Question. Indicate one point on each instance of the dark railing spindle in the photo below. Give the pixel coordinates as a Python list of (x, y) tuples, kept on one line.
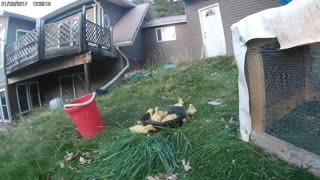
[(41, 42)]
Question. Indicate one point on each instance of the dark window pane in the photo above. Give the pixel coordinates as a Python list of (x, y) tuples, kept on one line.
[(20, 34), (23, 98), (159, 34), (34, 96), (5, 112), (80, 85), (67, 89), (3, 98)]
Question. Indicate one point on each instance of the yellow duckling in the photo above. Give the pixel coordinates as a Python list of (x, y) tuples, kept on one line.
[(170, 117), (191, 111), (142, 129), (156, 116), (150, 110), (162, 113), (180, 103)]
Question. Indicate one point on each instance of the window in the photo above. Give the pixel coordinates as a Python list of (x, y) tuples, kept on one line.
[(21, 33), (72, 86), (166, 34), (4, 109), (28, 96)]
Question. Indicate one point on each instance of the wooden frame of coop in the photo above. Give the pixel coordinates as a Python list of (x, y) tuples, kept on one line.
[(255, 75)]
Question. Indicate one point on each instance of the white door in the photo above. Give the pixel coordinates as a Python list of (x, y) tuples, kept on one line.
[(212, 31)]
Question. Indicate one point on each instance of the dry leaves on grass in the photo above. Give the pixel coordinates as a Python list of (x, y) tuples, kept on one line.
[(62, 164), (83, 161), (68, 157), (186, 166), (231, 121), (161, 176)]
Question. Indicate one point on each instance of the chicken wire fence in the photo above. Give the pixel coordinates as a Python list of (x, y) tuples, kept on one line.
[(291, 88)]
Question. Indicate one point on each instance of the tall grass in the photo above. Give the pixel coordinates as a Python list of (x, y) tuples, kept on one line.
[(34, 149)]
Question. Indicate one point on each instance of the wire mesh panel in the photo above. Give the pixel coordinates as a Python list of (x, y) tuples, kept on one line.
[(22, 49), (291, 81), (98, 35), (62, 34)]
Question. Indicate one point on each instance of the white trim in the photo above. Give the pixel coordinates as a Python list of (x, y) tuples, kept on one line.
[(26, 85), (2, 114), (94, 13), (123, 43), (162, 36), (165, 24), (21, 30), (201, 25)]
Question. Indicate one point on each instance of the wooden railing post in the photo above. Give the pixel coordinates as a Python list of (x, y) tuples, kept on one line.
[(82, 30), (41, 41)]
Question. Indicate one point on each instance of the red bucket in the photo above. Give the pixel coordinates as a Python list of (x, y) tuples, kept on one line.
[(85, 115)]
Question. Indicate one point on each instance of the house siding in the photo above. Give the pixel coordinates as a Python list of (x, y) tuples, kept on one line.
[(113, 11), (136, 51), (168, 51), (4, 25), (231, 12), (15, 24)]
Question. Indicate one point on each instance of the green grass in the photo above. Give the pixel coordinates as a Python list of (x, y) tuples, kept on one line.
[(34, 149)]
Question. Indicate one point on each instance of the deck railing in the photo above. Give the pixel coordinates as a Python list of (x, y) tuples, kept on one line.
[(57, 39), (61, 34), (23, 49), (98, 35)]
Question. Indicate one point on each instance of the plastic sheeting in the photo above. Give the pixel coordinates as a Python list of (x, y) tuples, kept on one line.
[(295, 24)]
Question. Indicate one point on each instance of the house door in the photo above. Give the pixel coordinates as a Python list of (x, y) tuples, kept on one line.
[(212, 31)]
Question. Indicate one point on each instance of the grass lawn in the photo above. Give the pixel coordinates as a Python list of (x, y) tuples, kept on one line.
[(35, 148)]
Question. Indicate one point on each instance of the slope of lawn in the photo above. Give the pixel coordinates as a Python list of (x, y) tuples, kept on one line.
[(35, 149)]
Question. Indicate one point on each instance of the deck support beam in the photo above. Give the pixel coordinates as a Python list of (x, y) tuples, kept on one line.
[(87, 77), (41, 69)]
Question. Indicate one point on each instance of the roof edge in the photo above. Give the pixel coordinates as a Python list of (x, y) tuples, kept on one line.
[(129, 43), (164, 24), (16, 15)]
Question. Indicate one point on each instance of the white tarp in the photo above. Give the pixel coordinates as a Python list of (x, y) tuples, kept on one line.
[(295, 24)]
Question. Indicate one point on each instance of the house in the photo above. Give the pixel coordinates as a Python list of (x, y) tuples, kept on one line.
[(205, 30), (166, 40), (12, 27), (210, 21), (71, 51)]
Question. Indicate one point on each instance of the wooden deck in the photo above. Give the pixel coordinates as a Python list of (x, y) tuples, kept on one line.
[(70, 37)]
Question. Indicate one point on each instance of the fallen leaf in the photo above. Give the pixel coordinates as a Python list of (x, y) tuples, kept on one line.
[(62, 164), (83, 161), (162, 176), (151, 178), (68, 157), (186, 166), (231, 121), (222, 120)]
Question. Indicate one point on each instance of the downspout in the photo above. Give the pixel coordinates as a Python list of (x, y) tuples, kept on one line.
[(101, 10), (120, 73)]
